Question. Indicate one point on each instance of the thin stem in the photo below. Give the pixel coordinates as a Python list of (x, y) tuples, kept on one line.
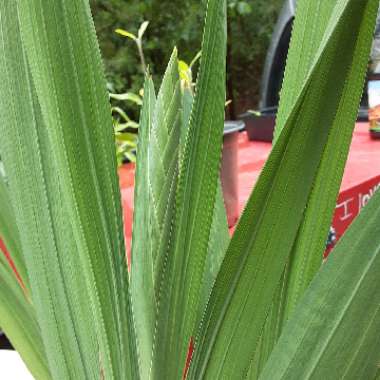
[(141, 54)]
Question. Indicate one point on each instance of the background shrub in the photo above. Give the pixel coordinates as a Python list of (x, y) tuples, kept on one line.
[(177, 23)]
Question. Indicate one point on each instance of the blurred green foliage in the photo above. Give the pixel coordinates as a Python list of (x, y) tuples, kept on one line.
[(179, 22)]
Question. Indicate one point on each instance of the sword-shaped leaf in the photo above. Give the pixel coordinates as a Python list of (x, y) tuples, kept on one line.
[(58, 149), (183, 272), (268, 228), (18, 320), (156, 178), (311, 241), (311, 21), (219, 234), (9, 234), (142, 268), (17, 316), (334, 332)]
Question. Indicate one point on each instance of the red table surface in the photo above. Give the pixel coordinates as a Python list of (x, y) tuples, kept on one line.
[(361, 177)]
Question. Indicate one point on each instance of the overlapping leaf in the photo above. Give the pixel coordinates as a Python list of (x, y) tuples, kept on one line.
[(163, 162), (334, 332), (164, 126), (268, 228), (58, 152), (142, 268), (59, 156), (182, 274), (17, 316), (311, 240), (219, 234), (10, 236), (18, 319), (310, 25), (156, 174)]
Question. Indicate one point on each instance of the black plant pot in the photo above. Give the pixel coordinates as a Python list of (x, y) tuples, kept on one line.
[(260, 127), (4, 342)]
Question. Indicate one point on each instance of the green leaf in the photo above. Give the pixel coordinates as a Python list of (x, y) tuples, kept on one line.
[(17, 319), (156, 178), (142, 279), (142, 29), (187, 105), (185, 71), (258, 252), (130, 96), (243, 8), (196, 59), (121, 113), (334, 331), (127, 137), (311, 240), (121, 127), (163, 155), (125, 33), (218, 243), (10, 235), (219, 234), (182, 274), (17, 316), (60, 161), (311, 22)]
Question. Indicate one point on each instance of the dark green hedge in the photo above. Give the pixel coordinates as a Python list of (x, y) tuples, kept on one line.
[(179, 22)]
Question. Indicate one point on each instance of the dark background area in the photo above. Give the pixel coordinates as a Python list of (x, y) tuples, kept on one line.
[(180, 23)]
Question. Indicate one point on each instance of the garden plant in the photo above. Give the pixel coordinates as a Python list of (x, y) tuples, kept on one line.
[(250, 26), (192, 302), (124, 126)]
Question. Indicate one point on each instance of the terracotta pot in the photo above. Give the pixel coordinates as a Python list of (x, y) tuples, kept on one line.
[(229, 169), (375, 133)]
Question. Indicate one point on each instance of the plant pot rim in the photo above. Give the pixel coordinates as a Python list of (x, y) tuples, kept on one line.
[(232, 126)]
